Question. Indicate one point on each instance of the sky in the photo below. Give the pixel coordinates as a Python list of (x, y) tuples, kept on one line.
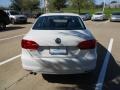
[(107, 1), (6, 3)]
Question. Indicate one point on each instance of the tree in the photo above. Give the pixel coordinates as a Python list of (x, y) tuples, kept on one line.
[(3, 8), (22, 5), (90, 4), (78, 4), (16, 5), (56, 4), (34, 4), (30, 4), (86, 4)]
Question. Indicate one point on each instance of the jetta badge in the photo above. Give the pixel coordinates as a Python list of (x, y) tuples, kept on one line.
[(58, 40)]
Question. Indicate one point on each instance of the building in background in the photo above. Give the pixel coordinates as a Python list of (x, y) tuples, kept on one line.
[(114, 5)]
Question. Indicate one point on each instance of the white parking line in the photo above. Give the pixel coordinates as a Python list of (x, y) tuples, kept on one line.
[(101, 77), (11, 37), (11, 59)]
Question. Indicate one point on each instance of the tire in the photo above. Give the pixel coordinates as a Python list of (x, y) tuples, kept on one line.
[(2, 26), (12, 21), (25, 22)]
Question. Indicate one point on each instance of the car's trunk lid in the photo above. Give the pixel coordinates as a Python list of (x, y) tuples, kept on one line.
[(67, 38)]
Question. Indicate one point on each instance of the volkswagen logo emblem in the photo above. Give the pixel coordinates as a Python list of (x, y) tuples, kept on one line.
[(58, 40)]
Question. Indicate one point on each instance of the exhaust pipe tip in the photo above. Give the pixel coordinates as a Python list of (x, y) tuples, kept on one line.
[(33, 73)]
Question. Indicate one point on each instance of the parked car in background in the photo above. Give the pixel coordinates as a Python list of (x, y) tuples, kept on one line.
[(4, 20), (115, 16), (16, 17), (85, 16), (59, 43), (37, 15), (99, 16)]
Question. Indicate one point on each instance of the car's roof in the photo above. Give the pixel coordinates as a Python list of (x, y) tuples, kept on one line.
[(65, 14)]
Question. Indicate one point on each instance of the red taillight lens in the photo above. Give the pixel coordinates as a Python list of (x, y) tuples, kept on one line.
[(27, 44), (89, 44)]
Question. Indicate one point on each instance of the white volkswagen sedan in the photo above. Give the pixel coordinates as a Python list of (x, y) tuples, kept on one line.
[(59, 43)]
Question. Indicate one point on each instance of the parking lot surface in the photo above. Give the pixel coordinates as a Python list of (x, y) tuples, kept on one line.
[(13, 77)]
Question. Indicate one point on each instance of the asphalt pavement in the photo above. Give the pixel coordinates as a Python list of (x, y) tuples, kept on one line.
[(13, 77)]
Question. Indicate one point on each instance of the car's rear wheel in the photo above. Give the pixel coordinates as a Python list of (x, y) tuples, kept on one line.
[(2, 26), (12, 21), (25, 22)]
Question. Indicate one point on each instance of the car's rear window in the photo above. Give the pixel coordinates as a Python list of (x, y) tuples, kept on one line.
[(59, 23)]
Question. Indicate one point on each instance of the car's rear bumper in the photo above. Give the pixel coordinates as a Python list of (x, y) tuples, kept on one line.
[(98, 18), (59, 65), (115, 19), (20, 20)]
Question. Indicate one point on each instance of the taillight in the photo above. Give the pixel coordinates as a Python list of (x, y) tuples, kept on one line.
[(27, 44), (89, 44)]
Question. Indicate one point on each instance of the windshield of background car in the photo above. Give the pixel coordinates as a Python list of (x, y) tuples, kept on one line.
[(116, 13), (14, 13), (59, 23)]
